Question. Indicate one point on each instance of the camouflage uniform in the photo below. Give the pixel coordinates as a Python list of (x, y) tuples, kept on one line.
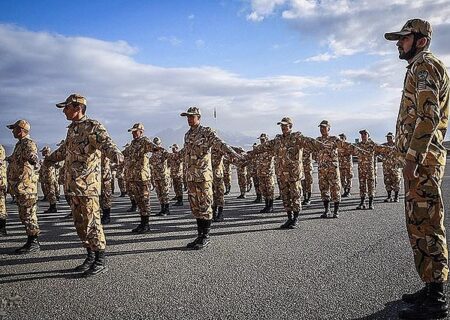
[(47, 176), (241, 172), (106, 185), (175, 164), (391, 170), (252, 170), (217, 159), (161, 176), (227, 174), (121, 179), (328, 168), (345, 152), (3, 186), (308, 173)]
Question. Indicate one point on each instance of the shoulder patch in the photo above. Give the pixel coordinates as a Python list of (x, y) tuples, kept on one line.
[(422, 75)]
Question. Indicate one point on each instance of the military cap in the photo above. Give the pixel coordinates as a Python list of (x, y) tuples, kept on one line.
[(364, 131), (137, 126), (192, 111), (60, 143), (157, 141), (411, 26), (390, 134), (263, 135), (285, 120), (46, 148), (255, 144), (342, 135), (324, 123), (24, 124), (73, 98), (174, 146)]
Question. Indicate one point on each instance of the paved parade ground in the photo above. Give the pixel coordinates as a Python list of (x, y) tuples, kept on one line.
[(354, 267)]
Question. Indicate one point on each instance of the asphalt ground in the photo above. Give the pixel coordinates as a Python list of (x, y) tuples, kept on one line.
[(354, 267)]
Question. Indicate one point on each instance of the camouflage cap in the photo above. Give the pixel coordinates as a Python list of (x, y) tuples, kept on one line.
[(263, 136), (45, 149), (24, 124), (390, 134), (73, 98), (175, 146), (285, 120), (411, 26), (324, 123), (364, 131), (137, 126), (157, 141), (191, 111), (342, 135), (60, 143)]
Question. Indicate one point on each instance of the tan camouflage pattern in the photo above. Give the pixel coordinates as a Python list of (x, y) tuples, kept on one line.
[(107, 181), (227, 173), (139, 191), (137, 166), (217, 160), (200, 199), (345, 152), (160, 174), (47, 177), (308, 168), (3, 184), (175, 164), (241, 171), (392, 173), (27, 205), (23, 175), (265, 170), (328, 168), (86, 215)]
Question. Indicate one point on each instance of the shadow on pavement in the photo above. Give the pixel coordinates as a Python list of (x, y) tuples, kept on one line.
[(390, 311)]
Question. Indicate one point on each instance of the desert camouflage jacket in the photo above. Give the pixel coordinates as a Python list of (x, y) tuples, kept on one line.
[(158, 164), (137, 166), (175, 163), (3, 183)]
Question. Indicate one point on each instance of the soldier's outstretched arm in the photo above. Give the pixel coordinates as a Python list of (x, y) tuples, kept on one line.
[(104, 143), (57, 155)]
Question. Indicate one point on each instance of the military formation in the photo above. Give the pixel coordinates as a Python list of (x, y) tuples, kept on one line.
[(87, 161)]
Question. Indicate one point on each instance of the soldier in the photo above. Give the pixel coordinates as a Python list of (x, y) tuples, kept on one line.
[(86, 141), (307, 176), (421, 127), (121, 180), (161, 176), (227, 175), (217, 159), (23, 180), (265, 171), (345, 166), (253, 169), (106, 188), (176, 173), (197, 159), (138, 171), (328, 169), (47, 176), (391, 169), (3, 188), (287, 149), (241, 171)]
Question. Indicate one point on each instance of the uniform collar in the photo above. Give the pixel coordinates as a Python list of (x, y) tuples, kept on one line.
[(78, 121), (417, 57)]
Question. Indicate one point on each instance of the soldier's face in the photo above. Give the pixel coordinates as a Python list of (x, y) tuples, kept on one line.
[(364, 137), (324, 130), (389, 139), (193, 120), (342, 138), (285, 128), (19, 133), (72, 111), (137, 133), (405, 45)]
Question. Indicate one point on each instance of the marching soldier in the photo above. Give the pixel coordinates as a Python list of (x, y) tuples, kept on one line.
[(160, 176), (23, 180), (197, 159), (241, 170), (391, 169), (421, 127), (265, 172), (345, 152), (176, 173), (3, 188), (47, 176), (86, 141)]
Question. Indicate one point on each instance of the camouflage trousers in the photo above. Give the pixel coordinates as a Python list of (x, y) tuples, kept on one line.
[(49, 190), (330, 184), (177, 183), (242, 181), (3, 212), (162, 190), (139, 191), (27, 205), (200, 199), (218, 192), (424, 210), (106, 195), (291, 192), (256, 184), (307, 182), (86, 216), (392, 178), (122, 185), (267, 186), (128, 188), (346, 173), (366, 177), (227, 176)]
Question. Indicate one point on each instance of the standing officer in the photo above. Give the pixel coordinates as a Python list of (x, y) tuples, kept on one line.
[(47, 176), (23, 181), (160, 176), (197, 159), (391, 169), (3, 188), (421, 127), (86, 141), (265, 171), (345, 165), (175, 164)]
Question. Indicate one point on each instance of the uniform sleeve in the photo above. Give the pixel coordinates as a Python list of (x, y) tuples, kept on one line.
[(31, 152), (218, 143), (310, 143), (104, 143), (57, 155), (428, 113)]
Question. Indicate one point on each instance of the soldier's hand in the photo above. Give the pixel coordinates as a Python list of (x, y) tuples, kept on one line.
[(410, 170)]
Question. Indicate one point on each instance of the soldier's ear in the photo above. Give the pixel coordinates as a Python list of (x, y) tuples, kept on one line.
[(422, 42)]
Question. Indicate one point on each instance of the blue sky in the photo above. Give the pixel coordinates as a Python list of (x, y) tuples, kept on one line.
[(254, 61)]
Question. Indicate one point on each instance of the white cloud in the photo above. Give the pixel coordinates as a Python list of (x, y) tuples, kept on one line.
[(320, 58), (174, 41)]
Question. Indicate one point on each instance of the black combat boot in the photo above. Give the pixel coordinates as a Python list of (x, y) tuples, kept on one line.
[(258, 198), (166, 209), (336, 210), (99, 265), (174, 198), (361, 205), (371, 203), (32, 245), (288, 221), (123, 194), (140, 226), (326, 205), (87, 262), (307, 200), (294, 223), (106, 216), (204, 240), (270, 206), (417, 296), (241, 196), (219, 217), (345, 194), (192, 244), (145, 226), (3, 232), (133, 206), (214, 211), (227, 190), (396, 196), (161, 212), (264, 210), (51, 209), (433, 306), (278, 198), (389, 197), (179, 202)]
